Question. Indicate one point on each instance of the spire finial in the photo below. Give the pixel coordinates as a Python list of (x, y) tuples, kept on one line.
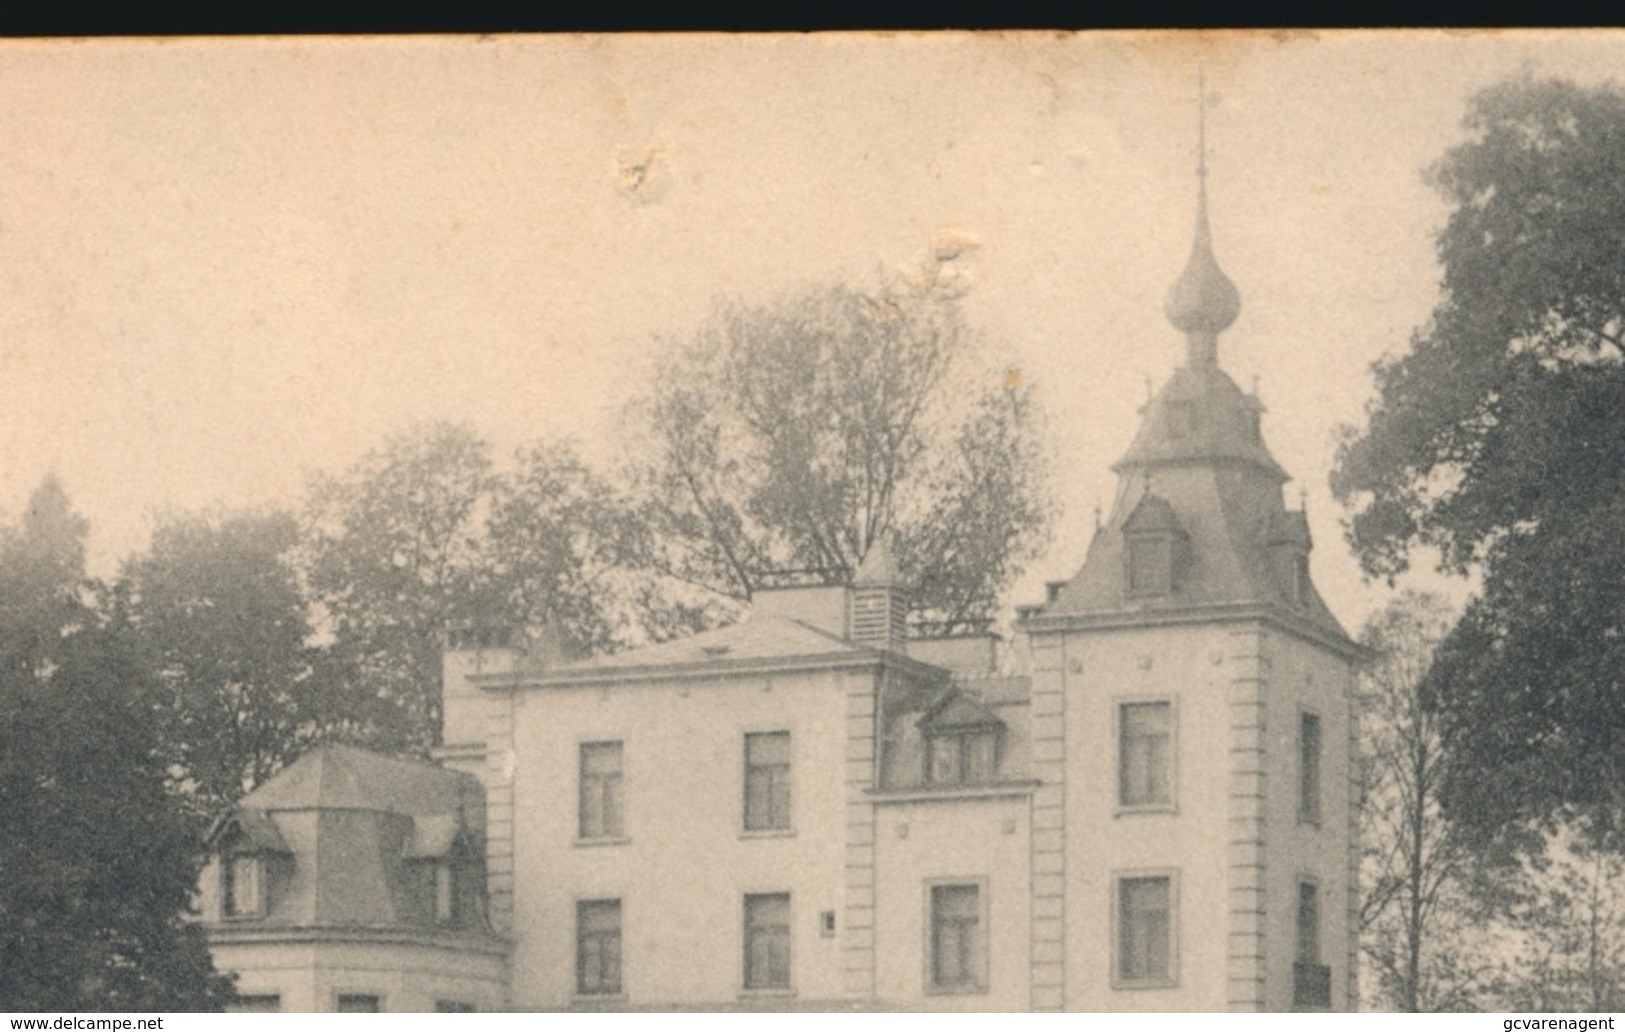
[(1203, 302), (1201, 127)]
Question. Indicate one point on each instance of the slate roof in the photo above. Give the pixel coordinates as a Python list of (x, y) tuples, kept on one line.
[(1207, 473), (342, 777), (760, 636), (352, 825)]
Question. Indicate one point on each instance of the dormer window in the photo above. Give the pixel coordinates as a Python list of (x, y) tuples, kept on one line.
[(1150, 565), (961, 741), (1153, 541), (242, 889), (964, 756)]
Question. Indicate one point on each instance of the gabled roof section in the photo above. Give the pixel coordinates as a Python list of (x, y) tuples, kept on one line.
[(1153, 515), (256, 832), (432, 837), (341, 777), (958, 711)]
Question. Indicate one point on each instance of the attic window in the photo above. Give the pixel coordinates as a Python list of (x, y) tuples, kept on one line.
[(961, 742), (242, 886), (963, 756), (1300, 579), (1150, 565)]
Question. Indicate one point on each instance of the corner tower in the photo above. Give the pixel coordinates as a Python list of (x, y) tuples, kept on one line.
[(1192, 707)]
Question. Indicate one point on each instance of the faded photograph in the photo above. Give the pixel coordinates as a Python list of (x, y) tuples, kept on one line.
[(1004, 522)]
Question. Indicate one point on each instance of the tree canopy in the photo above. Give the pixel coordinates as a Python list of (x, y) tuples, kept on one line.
[(790, 436), (218, 609), (100, 861), (1496, 438), (426, 533)]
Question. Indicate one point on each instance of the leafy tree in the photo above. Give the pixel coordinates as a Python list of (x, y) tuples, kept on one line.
[(218, 609), (426, 533), (1417, 874), (99, 861), (394, 548), (791, 436), (558, 541), (1496, 438), (1567, 919)]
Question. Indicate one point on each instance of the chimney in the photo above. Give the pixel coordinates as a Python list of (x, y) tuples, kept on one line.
[(471, 650)]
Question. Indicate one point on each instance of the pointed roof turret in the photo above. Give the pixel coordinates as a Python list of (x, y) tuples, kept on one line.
[(1203, 302), (878, 567)]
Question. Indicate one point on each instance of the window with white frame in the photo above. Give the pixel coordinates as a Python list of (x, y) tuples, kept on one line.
[(767, 781), (964, 755), (255, 1003), (602, 792), (767, 941), (958, 944), (358, 1003), (242, 890), (1145, 930), (598, 947), (1145, 758)]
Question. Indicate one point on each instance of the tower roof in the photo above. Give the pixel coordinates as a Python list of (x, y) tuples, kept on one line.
[(1203, 302), (878, 568)]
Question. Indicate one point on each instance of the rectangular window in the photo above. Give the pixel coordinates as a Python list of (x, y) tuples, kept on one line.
[(598, 947), (445, 894), (453, 1007), (1311, 979), (767, 781), (1308, 923), (1145, 941), (1309, 768), (963, 757), (767, 941), (357, 1003), (601, 791), (958, 939), (243, 888), (256, 1003), (1145, 753), (1150, 565)]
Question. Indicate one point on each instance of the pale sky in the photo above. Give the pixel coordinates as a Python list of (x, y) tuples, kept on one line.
[(225, 263)]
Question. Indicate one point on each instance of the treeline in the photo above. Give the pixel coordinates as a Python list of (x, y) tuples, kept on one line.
[(778, 440)]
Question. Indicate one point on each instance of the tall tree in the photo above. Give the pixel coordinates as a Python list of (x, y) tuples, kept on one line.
[(1417, 875), (1496, 438), (218, 609), (100, 862), (394, 548), (793, 435), (426, 533)]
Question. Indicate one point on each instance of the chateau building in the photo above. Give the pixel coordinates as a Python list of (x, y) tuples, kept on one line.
[(807, 809)]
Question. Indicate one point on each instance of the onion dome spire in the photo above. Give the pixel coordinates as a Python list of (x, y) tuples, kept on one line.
[(1203, 302)]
